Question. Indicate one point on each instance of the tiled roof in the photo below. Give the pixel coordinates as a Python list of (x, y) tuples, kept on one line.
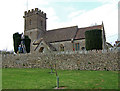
[(81, 31), (37, 42), (63, 34), (60, 34)]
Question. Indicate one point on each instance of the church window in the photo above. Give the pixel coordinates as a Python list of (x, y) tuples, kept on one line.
[(41, 49), (77, 46), (83, 48), (30, 22), (61, 47), (41, 23)]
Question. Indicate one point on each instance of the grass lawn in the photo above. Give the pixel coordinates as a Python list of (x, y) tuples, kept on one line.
[(42, 79)]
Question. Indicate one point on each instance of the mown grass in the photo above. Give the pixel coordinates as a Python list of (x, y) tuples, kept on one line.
[(42, 79)]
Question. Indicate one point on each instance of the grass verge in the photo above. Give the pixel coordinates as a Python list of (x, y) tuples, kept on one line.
[(71, 79)]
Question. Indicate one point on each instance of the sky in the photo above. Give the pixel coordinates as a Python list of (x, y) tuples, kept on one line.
[(60, 13)]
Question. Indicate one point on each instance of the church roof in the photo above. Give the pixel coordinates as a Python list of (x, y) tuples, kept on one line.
[(48, 44), (60, 34), (66, 34), (81, 31)]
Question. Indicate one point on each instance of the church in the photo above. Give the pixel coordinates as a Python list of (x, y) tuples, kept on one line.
[(62, 39)]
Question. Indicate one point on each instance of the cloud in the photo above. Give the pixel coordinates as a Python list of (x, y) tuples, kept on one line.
[(36, 3), (74, 14), (53, 19), (108, 1), (12, 21), (108, 13), (101, 1)]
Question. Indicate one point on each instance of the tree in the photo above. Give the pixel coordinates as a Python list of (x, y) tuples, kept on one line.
[(27, 43), (17, 41), (93, 39), (57, 76)]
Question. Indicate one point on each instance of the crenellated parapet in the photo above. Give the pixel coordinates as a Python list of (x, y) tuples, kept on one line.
[(33, 12)]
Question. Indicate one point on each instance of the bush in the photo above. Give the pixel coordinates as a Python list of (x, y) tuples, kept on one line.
[(93, 39), (17, 41), (27, 43)]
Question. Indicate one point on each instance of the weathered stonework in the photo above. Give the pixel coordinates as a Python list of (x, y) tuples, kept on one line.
[(65, 61), (34, 23), (71, 38)]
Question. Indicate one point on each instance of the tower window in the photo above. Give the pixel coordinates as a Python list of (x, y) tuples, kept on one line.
[(41, 23), (30, 22)]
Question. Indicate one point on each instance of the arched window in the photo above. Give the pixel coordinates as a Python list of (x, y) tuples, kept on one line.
[(61, 47), (41, 49)]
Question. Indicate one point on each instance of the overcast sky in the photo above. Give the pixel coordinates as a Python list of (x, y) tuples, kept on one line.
[(60, 13)]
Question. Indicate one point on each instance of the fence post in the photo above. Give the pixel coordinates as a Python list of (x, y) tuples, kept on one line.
[(57, 81)]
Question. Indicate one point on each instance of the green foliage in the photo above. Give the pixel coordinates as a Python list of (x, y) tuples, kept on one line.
[(93, 39), (89, 62), (17, 41), (13, 78), (6, 52), (27, 43)]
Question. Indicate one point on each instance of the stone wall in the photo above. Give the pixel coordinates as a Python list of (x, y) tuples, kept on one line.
[(68, 45), (65, 61)]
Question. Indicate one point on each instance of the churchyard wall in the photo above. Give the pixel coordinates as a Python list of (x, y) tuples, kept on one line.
[(75, 60)]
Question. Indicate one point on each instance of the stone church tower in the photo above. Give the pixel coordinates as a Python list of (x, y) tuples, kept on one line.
[(34, 23), (63, 39)]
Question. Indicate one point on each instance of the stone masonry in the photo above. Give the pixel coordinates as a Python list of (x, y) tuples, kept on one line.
[(69, 61)]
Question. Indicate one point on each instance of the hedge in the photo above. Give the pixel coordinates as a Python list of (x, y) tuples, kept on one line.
[(93, 39), (17, 41), (27, 43)]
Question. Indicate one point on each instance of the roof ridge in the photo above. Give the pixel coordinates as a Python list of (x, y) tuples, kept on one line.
[(89, 26), (61, 28)]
